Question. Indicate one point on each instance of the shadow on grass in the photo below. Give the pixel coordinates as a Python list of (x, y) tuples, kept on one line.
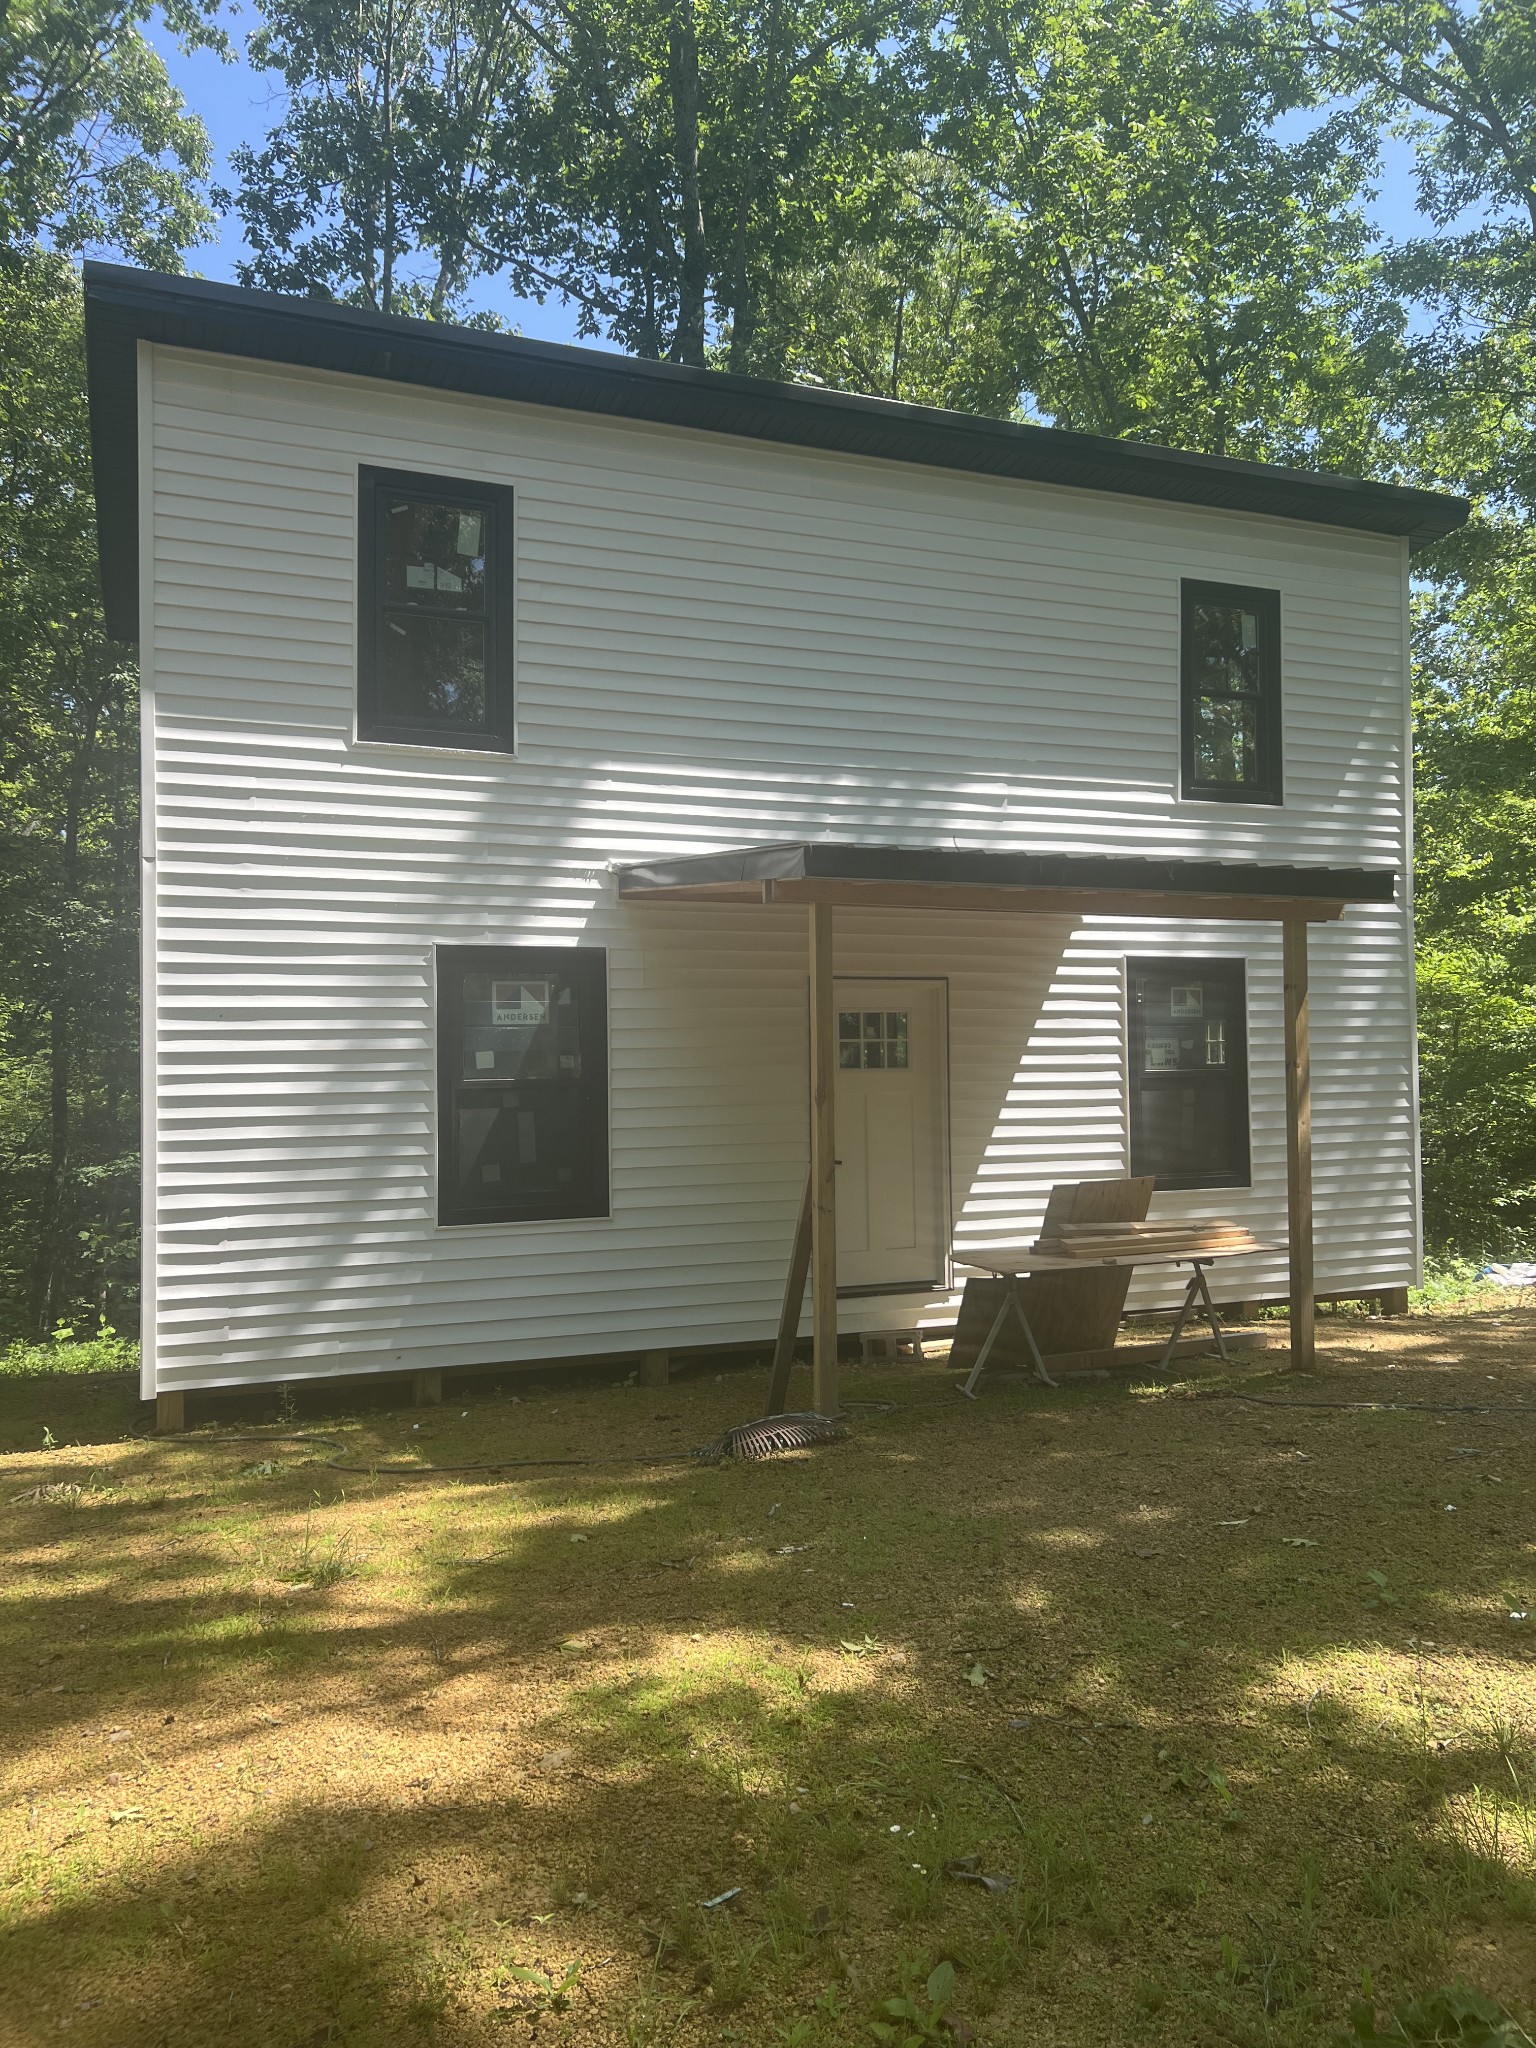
[(1118, 1648)]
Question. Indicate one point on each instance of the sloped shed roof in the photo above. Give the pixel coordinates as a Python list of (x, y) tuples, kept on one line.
[(124, 306)]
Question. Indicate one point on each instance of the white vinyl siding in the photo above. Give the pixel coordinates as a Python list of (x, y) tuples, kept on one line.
[(717, 643)]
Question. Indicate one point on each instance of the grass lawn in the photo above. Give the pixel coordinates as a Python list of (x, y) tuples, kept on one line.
[(1226, 1700)]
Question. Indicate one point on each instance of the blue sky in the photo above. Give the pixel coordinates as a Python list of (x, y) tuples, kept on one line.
[(239, 104)]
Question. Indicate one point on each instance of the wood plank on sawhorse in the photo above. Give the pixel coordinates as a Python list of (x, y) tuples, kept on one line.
[(1067, 1311), (1037, 1264)]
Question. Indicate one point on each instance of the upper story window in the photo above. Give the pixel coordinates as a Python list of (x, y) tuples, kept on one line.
[(434, 654), (1231, 693)]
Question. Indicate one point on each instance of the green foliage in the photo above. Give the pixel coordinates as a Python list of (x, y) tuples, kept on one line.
[(543, 1991), (915, 2015), (1460, 80), (1117, 241), (96, 147), (68, 1351), (1437, 2020), (648, 163), (1476, 867), (68, 842), (374, 185), (95, 144)]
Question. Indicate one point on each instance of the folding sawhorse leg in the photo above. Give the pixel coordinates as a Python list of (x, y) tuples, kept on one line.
[(1009, 1301), (1195, 1291)]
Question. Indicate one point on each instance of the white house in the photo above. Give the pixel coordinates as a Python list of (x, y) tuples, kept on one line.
[(506, 704)]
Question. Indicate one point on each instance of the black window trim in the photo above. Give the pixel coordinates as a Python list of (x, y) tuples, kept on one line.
[(1270, 787), (555, 957), (1139, 963), (500, 733)]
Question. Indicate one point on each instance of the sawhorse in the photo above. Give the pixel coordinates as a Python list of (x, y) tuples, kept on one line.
[(1197, 1292)]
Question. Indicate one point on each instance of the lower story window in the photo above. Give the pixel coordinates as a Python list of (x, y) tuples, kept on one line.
[(522, 1083), (1188, 1044)]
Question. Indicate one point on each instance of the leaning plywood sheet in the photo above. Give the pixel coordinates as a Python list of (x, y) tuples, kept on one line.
[(1067, 1311)]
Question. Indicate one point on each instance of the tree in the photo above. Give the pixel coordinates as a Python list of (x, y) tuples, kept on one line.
[(659, 165), (1151, 260), (1460, 80), (1476, 883), (694, 155), (68, 838), (95, 145), (374, 185)]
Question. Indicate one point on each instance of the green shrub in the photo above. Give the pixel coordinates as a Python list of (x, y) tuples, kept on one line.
[(68, 1352)]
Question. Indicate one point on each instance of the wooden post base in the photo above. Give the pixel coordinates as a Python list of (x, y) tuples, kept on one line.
[(426, 1389), (170, 1414), (655, 1368), (1394, 1301)]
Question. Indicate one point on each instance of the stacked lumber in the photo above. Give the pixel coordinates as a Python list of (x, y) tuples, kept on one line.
[(1145, 1240)]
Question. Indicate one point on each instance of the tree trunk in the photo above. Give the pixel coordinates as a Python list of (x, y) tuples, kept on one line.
[(693, 272), (387, 90), (50, 1219), (52, 1210), (742, 310)]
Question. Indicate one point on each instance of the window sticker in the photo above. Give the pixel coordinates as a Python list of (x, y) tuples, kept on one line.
[(1162, 1054), (427, 576), (519, 1002), (469, 533), (485, 1061), (1216, 1045), (1188, 1001)]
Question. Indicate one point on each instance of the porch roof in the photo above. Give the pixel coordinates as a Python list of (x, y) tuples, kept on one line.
[(1048, 884)]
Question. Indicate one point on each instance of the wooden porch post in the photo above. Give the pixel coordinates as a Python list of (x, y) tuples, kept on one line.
[(823, 1166), (1298, 1144)]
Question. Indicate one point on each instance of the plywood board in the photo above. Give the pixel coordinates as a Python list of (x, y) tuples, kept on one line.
[(1067, 1311)]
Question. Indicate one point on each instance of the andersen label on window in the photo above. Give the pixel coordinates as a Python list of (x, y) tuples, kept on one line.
[(519, 1002)]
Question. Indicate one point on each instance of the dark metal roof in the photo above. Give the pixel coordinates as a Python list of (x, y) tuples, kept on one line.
[(833, 861), (124, 306)]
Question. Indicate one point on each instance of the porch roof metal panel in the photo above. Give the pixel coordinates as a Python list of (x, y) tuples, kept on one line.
[(915, 877), (124, 306)]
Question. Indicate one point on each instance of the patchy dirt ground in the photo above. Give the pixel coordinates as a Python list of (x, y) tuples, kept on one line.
[(1232, 1704)]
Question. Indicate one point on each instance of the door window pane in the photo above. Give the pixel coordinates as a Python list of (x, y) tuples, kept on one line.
[(872, 1039)]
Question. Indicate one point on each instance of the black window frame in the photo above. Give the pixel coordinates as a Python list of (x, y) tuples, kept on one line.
[(591, 1198), (1268, 785), (1206, 967), (498, 736)]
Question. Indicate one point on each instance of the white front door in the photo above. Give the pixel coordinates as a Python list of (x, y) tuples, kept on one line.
[(892, 1220)]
